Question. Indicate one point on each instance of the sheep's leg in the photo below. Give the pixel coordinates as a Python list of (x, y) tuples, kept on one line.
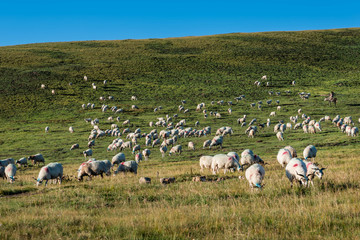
[(46, 183)]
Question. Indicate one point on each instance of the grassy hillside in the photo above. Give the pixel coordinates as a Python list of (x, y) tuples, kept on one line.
[(162, 72)]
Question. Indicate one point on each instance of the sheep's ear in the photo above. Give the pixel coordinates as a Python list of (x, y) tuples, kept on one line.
[(322, 169)]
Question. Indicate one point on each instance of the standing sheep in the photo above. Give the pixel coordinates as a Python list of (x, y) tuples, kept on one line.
[(296, 170), (87, 153), (37, 158), (255, 174), (191, 146), (50, 171), (146, 152), (163, 150), (313, 170), (280, 136), (10, 172), (292, 151), (129, 166), (309, 152), (223, 161), (284, 156), (22, 161), (118, 158), (205, 162), (47, 128), (176, 149)]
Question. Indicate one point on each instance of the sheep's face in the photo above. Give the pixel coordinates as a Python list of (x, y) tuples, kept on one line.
[(303, 181), (319, 172)]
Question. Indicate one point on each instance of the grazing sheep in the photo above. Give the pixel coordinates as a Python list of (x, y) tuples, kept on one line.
[(205, 162), (191, 146), (155, 142), (145, 180), (92, 168), (48, 172), (292, 151), (43, 86), (136, 148), (6, 162), (217, 140), (117, 159), (133, 107), (272, 114), (255, 174), (10, 172), (47, 128), (234, 154), (354, 132), (284, 156), (296, 170), (22, 161), (311, 129), (280, 136), (309, 152), (163, 150), (223, 161), (53, 92), (124, 145), (313, 170), (176, 149), (206, 143), (71, 129), (138, 157), (317, 126), (37, 158), (74, 146), (252, 133), (133, 98), (129, 166), (278, 108), (146, 152), (305, 129), (87, 153)]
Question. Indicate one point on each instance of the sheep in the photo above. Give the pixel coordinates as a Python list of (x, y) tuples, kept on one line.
[(138, 157), (296, 170), (284, 156), (223, 161), (117, 159), (206, 143), (47, 128), (50, 171), (146, 152), (124, 145), (298, 125), (312, 170), (53, 91), (280, 136), (272, 114), (288, 126), (247, 157), (255, 174), (37, 158), (217, 140), (133, 98), (74, 146), (145, 180), (163, 150), (129, 166), (176, 149), (305, 129), (229, 111), (292, 151), (133, 107), (10, 172), (155, 142), (22, 161), (6, 162), (354, 132), (251, 133), (205, 162), (42, 86), (309, 152), (277, 127), (234, 154), (278, 108), (268, 122), (92, 168), (87, 153), (126, 122), (191, 146), (71, 129), (282, 128)]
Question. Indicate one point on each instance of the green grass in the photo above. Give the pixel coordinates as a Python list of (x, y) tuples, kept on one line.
[(162, 72)]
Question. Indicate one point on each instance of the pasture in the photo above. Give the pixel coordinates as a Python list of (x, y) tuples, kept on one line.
[(162, 72)]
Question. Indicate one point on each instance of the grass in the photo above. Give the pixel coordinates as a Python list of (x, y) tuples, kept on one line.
[(162, 72)]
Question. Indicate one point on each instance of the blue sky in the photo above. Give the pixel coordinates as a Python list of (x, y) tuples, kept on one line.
[(35, 21)]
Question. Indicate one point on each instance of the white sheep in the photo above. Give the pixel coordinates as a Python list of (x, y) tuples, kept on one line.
[(292, 151), (138, 157), (284, 156), (296, 170), (255, 174), (272, 114), (22, 161), (205, 162), (92, 168), (354, 131), (136, 148), (71, 129), (10, 172), (50, 171), (223, 161), (87, 153), (163, 150), (313, 170), (191, 146), (118, 158), (146, 152), (176, 149), (280, 136), (309, 152), (129, 166), (47, 128)]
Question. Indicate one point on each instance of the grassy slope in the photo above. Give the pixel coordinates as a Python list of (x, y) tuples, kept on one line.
[(162, 72)]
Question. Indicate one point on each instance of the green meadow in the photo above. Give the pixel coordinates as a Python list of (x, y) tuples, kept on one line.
[(162, 72)]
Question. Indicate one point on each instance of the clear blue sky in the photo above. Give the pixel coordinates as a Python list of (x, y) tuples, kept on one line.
[(35, 21)]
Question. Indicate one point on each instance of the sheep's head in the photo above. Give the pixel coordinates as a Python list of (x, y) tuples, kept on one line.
[(303, 179), (319, 172)]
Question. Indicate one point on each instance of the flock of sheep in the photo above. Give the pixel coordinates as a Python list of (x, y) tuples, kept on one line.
[(302, 171)]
